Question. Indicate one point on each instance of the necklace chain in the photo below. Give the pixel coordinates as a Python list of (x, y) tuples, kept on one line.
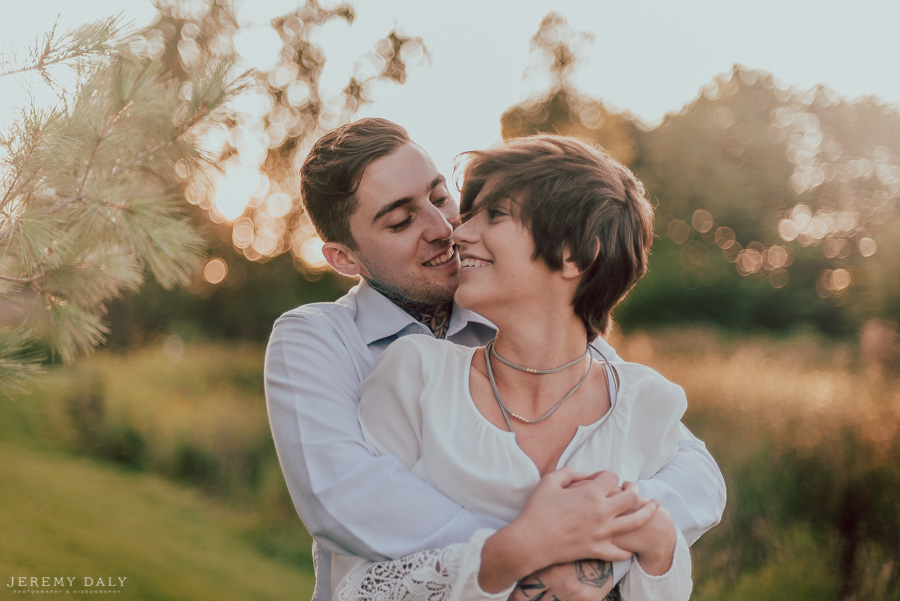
[(531, 370), (489, 352)]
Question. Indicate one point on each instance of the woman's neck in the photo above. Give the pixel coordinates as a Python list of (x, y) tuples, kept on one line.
[(543, 343)]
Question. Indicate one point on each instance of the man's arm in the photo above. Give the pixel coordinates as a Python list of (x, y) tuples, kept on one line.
[(349, 499), (690, 487)]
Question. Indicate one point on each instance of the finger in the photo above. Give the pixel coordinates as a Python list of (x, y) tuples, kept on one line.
[(610, 552), (632, 521), (563, 477), (631, 486), (624, 501), (608, 479)]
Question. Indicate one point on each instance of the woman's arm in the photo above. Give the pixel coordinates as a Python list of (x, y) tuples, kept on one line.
[(558, 524)]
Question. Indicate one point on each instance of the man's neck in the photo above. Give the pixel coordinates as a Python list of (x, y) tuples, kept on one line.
[(435, 317)]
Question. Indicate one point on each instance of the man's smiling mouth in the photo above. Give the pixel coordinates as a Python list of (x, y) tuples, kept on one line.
[(441, 259)]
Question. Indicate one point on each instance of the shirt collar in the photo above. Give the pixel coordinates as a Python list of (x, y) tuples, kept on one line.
[(377, 317)]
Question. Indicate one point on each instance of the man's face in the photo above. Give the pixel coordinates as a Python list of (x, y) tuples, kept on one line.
[(402, 227)]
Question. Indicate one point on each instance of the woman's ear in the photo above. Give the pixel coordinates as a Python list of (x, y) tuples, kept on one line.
[(570, 267), (342, 259)]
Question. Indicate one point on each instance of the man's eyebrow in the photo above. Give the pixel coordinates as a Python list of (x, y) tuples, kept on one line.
[(437, 181)]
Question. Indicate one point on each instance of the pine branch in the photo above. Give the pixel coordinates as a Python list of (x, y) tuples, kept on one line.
[(93, 40), (88, 202), (20, 366)]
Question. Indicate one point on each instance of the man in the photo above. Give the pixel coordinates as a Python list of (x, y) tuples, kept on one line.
[(385, 214)]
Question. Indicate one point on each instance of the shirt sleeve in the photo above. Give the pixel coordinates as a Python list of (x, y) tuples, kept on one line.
[(690, 486), (448, 574), (337, 484), (674, 585)]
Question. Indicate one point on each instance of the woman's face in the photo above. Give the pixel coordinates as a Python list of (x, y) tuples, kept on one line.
[(497, 273)]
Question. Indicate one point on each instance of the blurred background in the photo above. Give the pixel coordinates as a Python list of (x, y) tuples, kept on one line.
[(769, 141)]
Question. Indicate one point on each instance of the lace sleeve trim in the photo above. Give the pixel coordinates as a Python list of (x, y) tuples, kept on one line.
[(448, 574)]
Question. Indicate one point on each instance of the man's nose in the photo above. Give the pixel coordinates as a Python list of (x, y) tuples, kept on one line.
[(438, 228)]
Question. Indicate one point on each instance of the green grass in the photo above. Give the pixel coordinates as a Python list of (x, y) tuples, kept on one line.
[(91, 484), (159, 466), (70, 516)]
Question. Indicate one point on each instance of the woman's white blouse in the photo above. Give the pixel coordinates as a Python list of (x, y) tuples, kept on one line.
[(416, 405)]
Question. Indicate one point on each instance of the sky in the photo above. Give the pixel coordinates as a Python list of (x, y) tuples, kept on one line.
[(648, 57)]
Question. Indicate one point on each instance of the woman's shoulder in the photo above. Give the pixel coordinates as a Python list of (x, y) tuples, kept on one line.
[(647, 385)]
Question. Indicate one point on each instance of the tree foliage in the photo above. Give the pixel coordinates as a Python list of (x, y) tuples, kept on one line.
[(776, 207), (562, 109), (87, 205), (94, 190)]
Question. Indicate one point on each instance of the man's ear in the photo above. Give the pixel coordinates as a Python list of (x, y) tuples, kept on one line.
[(342, 259)]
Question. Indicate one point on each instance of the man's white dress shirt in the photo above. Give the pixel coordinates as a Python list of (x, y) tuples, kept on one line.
[(354, 502)]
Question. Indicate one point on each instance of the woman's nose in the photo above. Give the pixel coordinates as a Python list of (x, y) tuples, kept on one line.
[(464, 233)]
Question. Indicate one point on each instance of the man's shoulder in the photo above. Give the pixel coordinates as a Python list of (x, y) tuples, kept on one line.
[(318, 328), (320, 313), (426, 349)]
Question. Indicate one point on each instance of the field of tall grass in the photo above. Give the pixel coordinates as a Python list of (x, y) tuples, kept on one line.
[(807, 440), (805, 436)]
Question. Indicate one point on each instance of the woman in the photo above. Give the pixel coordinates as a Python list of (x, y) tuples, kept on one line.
[(554, 234)]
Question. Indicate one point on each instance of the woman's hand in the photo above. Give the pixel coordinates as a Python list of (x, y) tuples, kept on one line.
[(653, 543), (568, 517), (571, 516)]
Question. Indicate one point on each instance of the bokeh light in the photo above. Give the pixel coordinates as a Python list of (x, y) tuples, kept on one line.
[(867, 247), (233, 191), (215, 270)]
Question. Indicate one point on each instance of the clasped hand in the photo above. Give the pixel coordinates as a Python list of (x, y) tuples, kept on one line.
[(585, 523)]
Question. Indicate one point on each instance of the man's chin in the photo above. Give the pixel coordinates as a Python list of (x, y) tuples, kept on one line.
[(437, 293)]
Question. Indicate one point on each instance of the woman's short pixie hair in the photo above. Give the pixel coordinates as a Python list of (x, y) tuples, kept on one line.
[(572, 197)]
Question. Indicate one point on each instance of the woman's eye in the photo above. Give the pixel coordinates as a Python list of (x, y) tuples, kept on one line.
[(496, 213), (399, 226)]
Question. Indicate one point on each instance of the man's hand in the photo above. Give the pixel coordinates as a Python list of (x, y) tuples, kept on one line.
[(582, 580)]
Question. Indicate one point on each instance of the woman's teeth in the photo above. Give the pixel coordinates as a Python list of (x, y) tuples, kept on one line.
[(473, 263)]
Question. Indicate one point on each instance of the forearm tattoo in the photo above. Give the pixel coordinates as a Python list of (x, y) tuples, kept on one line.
[(533, 589), (590, 572), (593, 572), (596, 573)]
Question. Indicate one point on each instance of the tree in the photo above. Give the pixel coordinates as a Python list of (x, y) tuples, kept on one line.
[(775, 207), (87, 205), (94, 190), (563, 109), (264, 239)]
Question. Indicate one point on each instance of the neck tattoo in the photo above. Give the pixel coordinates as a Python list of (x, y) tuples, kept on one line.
[(435, 317)]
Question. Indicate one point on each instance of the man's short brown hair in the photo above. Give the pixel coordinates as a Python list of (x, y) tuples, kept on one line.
[(332, 171), (571, 196)]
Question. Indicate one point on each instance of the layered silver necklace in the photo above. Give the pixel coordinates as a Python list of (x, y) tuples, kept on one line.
[(489, 352)]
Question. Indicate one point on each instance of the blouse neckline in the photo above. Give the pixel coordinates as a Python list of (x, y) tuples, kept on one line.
[(577, 439)]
